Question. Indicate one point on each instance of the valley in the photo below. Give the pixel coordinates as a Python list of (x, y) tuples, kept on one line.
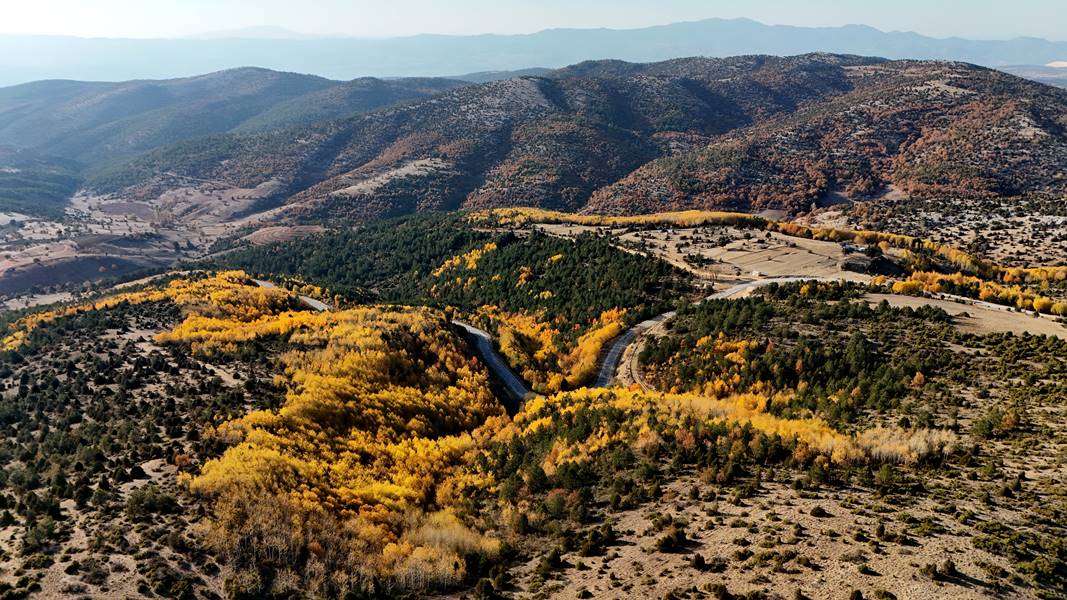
[(748, 134), (736, 328), (103, 239)]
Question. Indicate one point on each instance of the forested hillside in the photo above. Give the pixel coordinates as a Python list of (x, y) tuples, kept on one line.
[(747, 133), (36, 185), (553, 302), (366, 258), (205, 433), (94, 122), (931, 130)]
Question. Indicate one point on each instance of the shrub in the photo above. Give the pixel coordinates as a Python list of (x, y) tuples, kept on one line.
[(150, 500), (998, 422), (672, 540)]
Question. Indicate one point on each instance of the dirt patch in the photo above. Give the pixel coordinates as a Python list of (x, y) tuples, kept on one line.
[(81, 268), (978, 319), (373, 183), (729, 254), (209, 203), (140, 210), (38, 300), (774, 543)]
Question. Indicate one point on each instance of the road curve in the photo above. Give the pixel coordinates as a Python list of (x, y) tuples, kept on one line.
[(308, 301), (515, 387), (610, 364), (314, 304)]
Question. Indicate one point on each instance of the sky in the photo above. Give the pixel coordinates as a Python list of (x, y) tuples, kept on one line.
[(982, 19)]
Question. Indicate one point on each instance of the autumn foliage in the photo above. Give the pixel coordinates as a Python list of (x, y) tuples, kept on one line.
[(387, 469), (1015, 296), (553, 303), (230, 295), (363, 458)]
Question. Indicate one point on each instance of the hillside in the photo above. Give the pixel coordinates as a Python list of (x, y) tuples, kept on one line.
[(345, 99), (95, 122), (35, 185), (748, 133), (553, 302), (204, 436), (923, 129)]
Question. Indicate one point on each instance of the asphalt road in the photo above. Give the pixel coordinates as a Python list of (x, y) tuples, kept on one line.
[(483, 343), (611, 360), (515, 387), (308, 301), (610, 364)]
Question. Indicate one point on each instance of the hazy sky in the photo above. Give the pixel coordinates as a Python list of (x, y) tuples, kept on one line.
[(993, 19)]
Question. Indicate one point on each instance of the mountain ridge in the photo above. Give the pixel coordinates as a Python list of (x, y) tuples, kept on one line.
[(27, 58), (611, 136), (98, 121)]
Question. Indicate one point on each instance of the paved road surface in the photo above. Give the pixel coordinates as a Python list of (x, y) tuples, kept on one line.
[(610, 364), (314, 304), (308, 301), (515, 386)]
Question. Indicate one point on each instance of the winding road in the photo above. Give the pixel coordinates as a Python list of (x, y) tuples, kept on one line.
[(308, 301), (515, 387), (610, 363), (609, 366)]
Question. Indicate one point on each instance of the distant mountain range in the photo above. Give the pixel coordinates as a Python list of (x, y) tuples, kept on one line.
[(745, 133), (97, 122), (189, 158), (259, 33), (30, 58)]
